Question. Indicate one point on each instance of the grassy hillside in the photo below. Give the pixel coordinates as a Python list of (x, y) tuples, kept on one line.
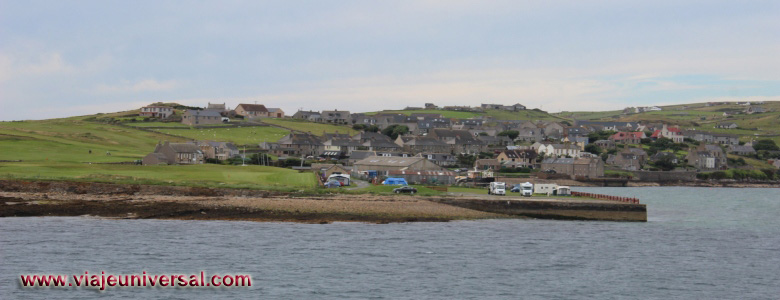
[(314, 128), (251, 135), (701, 117), (58, 149), (70, 139)]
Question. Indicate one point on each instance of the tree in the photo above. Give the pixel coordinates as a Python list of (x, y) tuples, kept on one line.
[(393, 131), (768, 145), (466, 160), (666, 163), (599, 135), (512, 134), (593, 148), (359, 127)]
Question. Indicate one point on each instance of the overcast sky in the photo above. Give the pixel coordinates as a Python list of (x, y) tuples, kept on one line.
[(64, 58)]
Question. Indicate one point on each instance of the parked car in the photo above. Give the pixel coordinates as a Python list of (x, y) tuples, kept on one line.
[(405, 189), (516, 188), (550, 171), (332, 184)]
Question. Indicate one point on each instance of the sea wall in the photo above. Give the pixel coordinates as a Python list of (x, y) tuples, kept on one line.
[(561, 209)]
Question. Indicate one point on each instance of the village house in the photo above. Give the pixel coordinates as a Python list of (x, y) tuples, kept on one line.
[(633, 138), (712, 138), (460, 141), (626, 161), (440, 159), (754, 110), (384, 144), (741, 150), (311, 116), (299, 144), (530, 135), (559, 150), (487, 164), (217, 107), (338, 146), (251, 111), (663, 155), (330, 169), (174, 154), (336, 117), (217, 150), (275, 113), (417, 144), (156, 111), (517, 158), (201, 117), (515, 107), (707, 157), (494, 140), (605, 144), (575, 167), (383, 164), (672, 133), (727, 125)]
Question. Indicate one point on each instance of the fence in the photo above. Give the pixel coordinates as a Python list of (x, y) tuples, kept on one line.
[(606, 197)]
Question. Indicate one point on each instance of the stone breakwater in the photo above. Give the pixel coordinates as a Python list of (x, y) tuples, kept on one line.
[(61, 198)]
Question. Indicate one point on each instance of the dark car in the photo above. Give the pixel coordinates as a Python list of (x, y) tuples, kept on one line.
[(550, 171), (332, 184), (515, 189), (405, 189)]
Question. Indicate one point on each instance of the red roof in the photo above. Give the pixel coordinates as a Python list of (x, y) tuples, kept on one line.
[(626, 135), (657, 133)]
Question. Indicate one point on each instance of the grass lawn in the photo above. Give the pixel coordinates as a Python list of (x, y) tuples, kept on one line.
[(466, 190), (240, 136), (206, 175), (314, 128)]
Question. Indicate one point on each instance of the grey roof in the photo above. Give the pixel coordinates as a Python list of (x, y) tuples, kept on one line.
[(358, 155), (392, 161), (562, 160), (184, 148), (205, 113)]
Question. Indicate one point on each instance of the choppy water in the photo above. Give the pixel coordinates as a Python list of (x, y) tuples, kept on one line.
[(699, 243)]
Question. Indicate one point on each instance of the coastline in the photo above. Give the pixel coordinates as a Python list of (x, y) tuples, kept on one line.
[(36, 198)]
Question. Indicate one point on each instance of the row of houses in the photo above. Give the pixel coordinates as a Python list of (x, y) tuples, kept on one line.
[(189, 153), (213, 113)]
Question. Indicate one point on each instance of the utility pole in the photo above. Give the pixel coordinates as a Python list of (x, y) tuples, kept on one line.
[(243, 158)]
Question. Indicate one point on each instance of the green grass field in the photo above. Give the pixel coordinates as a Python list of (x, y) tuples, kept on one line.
[(70, 139), (206, 175), (314, 128), (251, 135)]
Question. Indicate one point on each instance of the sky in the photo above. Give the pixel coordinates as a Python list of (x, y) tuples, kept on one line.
[(67, 58)]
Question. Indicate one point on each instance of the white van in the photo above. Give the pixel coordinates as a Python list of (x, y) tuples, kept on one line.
[(497, 188), (527, 189)]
